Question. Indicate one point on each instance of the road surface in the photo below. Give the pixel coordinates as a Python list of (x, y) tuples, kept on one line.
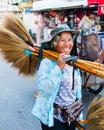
[(16, 99)]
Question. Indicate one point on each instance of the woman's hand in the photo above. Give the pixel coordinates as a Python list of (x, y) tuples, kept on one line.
[(60, 62)]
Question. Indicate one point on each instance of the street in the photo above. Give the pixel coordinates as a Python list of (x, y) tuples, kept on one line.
[(16, 99)]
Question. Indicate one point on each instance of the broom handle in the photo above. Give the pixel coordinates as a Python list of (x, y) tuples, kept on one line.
[(86, 67), (90, 67)]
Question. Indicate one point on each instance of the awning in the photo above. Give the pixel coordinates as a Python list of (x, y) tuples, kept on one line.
[(44, 5)]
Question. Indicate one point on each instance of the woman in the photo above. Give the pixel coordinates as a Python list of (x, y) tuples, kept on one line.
[(55, 104)]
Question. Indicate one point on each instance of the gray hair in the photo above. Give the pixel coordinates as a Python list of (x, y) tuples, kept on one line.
[(55, 41)]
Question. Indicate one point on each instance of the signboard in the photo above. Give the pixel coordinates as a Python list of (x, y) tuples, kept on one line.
[(100, 5), (101, 10), (23, 5), (99, 2)]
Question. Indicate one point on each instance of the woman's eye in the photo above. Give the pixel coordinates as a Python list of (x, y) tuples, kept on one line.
[(70, 40), (62, 40)]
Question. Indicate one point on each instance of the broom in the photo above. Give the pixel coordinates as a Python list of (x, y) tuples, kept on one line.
[(95, 114), (12, 48), (17, 47)]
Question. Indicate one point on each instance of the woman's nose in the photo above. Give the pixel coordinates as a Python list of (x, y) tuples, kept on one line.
[(67, 43)]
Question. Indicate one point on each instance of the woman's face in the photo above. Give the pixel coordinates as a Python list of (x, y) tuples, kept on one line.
[(65, 43)]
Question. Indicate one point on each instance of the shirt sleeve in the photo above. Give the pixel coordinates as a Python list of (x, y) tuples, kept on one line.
[(49, 77)]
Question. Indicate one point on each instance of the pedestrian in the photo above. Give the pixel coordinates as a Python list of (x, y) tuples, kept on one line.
[(95, 114), (58, 104)]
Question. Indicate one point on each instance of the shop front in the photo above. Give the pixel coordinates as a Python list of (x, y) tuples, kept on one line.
[(81, 15)]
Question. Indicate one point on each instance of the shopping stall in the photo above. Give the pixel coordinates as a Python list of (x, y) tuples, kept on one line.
[(81, 15), (70, 12)]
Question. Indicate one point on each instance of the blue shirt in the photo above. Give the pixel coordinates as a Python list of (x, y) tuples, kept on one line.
[(49, 77)]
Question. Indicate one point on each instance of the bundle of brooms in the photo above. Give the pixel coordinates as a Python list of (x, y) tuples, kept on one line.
[(17, 47)]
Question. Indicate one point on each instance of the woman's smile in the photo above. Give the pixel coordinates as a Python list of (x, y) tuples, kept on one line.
[(65, 43)]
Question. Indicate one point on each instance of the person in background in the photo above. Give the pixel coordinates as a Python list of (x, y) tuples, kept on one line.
[(58, 104)]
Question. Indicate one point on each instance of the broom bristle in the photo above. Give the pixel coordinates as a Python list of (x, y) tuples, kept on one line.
[(12, 48), (95, 114), (15, 24)]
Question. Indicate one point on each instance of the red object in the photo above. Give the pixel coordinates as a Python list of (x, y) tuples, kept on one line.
[(100, 5), (101, 10), (99, 2), (52, 13)]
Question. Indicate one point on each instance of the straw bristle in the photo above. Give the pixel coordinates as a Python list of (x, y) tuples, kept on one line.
[(95, 114), (12, 48), (14, 23)]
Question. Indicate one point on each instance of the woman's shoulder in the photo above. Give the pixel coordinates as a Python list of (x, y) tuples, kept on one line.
[(71, 68), (47, 61)]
